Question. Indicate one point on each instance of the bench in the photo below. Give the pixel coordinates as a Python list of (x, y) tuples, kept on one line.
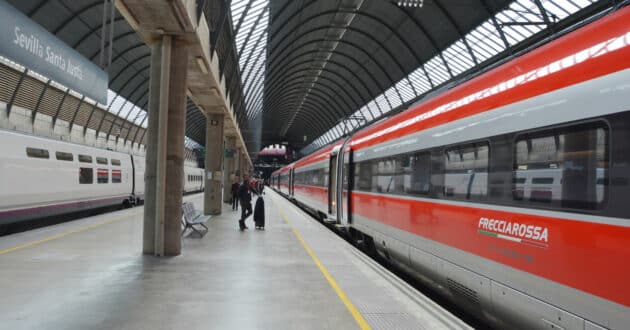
[(192, 218)]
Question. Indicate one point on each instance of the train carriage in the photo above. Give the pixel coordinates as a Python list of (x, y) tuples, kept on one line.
[(43, 177)]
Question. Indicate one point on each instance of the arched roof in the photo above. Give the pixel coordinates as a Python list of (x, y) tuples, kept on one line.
[(334, 65), (329, 58)]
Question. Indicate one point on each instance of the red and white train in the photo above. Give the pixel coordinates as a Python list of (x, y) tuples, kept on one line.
[(42, 177), (509, 193)]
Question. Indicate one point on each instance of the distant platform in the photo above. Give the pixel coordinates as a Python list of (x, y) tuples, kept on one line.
[(295, 274)]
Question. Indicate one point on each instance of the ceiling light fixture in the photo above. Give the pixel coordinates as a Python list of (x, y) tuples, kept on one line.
[(411, 3)]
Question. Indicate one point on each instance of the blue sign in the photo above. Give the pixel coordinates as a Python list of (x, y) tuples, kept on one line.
[(25, 42)]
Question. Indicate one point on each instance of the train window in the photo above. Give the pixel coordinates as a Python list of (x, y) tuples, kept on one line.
[(310, 178), (542, 180), (116, 176), (37, 153), (466, 171), (102, 175), (115, 162), (86, 175), (317, 177), (363, 176), (85, 159), (64, 156), (562, 168), (101, 160), (418, 175), (299, 178), (390, 174)]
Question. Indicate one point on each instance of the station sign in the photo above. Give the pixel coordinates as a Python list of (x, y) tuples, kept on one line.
[(29, 44)]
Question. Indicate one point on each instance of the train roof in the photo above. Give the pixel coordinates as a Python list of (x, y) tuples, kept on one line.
[(283, 169), (319, 155)]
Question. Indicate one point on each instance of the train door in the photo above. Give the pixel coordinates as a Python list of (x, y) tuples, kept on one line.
[(291, 182), (344, 172), (332, 188), (133, 176)]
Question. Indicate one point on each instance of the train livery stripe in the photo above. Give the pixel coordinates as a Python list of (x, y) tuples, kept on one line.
[(54, 209), (512, 238), (583, 255)]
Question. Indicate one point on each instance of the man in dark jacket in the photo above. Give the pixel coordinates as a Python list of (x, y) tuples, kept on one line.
[(245, 197), (235, 186)]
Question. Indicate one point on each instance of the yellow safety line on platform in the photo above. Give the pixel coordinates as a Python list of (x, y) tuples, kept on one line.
[(342, 295), (51, 238)]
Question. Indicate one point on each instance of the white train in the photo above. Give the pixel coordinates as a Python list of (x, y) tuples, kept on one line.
[(41, 177)]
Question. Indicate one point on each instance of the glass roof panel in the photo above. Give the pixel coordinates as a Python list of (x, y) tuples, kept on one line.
[(419, 80), (458, 57), (251, 43), (393, 97), (437, 71), (405, 89)]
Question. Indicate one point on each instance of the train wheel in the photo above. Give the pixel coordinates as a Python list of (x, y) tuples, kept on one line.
[(129, 202)]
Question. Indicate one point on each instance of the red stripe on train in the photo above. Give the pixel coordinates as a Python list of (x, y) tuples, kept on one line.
[(587, 256)]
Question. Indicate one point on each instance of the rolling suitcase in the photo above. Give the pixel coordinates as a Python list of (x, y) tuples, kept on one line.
[(259, 213)]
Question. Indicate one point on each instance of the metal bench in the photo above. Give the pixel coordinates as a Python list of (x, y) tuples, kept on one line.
[(192, 218)]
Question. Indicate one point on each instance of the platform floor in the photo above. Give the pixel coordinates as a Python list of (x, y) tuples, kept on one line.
[(296, 274)]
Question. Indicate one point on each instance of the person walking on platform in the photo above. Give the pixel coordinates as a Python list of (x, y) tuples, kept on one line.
[(245, 198), (235, 195)]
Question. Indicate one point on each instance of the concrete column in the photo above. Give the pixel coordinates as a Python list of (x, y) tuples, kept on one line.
[(151, 156), (165, 148), (175, 149), (214, 161), (228, 175)]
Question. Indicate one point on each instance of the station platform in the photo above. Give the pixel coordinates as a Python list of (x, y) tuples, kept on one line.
[(295, 274)]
